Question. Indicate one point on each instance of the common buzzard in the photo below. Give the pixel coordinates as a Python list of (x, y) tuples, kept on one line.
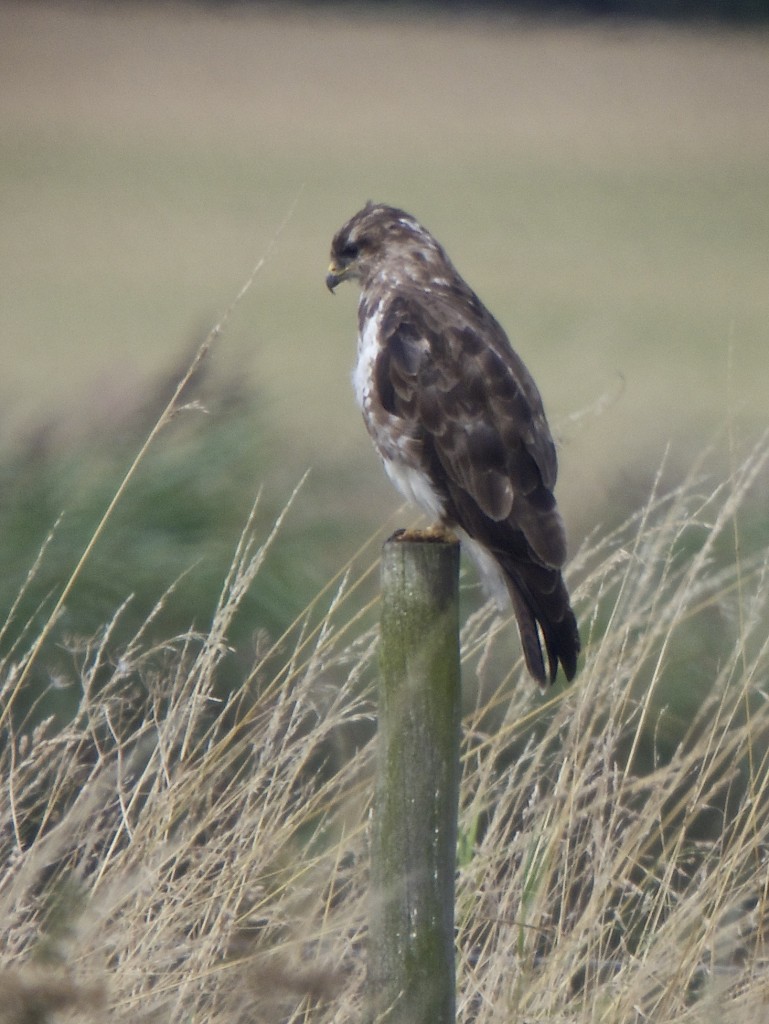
[(458, 421)]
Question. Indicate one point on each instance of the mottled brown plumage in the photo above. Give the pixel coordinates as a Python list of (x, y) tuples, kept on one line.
[(458, 420)]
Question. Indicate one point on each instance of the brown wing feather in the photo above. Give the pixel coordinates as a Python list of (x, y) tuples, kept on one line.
[(449, 372)]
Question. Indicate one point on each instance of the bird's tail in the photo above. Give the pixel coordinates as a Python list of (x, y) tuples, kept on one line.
[(545, 619)]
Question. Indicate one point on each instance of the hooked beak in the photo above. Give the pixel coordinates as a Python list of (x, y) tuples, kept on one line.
[(336, 274)]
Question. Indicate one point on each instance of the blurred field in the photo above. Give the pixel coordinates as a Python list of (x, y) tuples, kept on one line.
[(603, 187)]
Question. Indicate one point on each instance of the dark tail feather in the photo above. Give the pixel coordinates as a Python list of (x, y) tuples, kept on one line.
[(529, 634), (543, 612)]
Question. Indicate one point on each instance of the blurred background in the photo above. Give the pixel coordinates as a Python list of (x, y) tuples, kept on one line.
[(599, 177)]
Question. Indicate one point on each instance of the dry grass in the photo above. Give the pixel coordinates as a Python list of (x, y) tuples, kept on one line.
[(171, 857)]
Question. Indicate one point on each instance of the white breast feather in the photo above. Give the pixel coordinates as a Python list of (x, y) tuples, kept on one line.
[(415, 487), (387, 431), (368, 348)]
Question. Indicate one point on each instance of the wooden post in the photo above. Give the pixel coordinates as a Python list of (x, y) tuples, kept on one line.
[(414, 836)]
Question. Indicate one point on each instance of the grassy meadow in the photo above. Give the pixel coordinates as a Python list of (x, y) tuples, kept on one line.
[(187, 737)]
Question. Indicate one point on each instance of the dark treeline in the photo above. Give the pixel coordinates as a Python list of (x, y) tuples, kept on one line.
[(725, 11)]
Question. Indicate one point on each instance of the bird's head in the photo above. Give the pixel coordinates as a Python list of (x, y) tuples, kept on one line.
[(375, 236)]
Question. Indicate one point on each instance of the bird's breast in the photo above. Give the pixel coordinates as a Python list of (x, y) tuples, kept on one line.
[(368, 349), (399, 450), (416, 486)]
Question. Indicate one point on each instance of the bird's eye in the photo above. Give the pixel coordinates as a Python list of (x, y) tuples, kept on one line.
[(349, 251)]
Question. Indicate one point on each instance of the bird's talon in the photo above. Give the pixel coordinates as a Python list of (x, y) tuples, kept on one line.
[(436, 534)]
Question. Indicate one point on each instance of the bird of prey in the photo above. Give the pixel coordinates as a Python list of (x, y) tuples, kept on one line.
[(458, 421)]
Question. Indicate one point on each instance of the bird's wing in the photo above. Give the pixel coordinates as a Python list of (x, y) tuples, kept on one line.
[(450, 373)]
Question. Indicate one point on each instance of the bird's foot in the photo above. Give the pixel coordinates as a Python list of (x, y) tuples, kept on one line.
[(435, 534)]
